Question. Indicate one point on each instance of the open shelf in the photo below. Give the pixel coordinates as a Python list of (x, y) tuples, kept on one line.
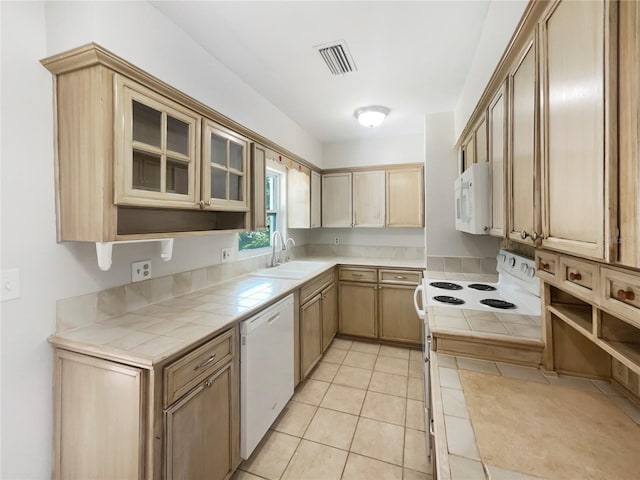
[(621, 340), (578, 316)]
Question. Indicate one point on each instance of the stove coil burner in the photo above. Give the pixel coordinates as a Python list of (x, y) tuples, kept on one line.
[(495, 303), (482, 286), (446, 285), (449, 300)]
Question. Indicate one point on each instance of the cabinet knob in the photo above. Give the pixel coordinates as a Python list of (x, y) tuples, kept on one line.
[(203, 204), (534, 236), (575, 276), (626, 295), (544, 266), (400, 277), (524, 235)]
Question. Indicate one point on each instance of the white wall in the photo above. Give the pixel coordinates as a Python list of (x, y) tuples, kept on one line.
[(375, 151), (500, 23), (49, 271), (441, 171)]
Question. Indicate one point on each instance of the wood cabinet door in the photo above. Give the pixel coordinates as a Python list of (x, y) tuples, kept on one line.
[(224, 169), (573, 127), (157, 154), (369, 199), (337, 204), (310, 334), (398, 318), (629, 128), (358, 309), (480, 136), (468, 152), (497, 154), (405, 197), (200, 432), (316, 205), (258, 187), (298, 199), (523, 152), (329, 315)]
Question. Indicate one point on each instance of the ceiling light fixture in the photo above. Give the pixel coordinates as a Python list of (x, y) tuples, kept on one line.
[(371, 116)]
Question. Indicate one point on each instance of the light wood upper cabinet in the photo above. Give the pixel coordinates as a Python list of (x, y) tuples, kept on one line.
[(405, 197), (628, 177), (480, 136), (468, 151), (523, 191), (157, 149), (303, 198), (258, 187), (337, 206), (369, 198), (497, 115), (316, 204), (224, 168), (573, 127)]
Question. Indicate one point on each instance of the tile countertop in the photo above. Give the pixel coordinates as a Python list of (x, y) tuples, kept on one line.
[(152, 334)]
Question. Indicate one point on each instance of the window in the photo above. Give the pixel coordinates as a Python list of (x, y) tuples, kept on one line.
[(254, 240)]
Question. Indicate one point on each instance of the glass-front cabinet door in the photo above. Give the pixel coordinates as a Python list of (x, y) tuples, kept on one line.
[(156, 149), (224, 169)]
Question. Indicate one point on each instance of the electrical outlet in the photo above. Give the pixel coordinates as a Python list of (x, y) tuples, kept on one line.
[(141, 270), (336, 240), (620, 372), (225, 255)]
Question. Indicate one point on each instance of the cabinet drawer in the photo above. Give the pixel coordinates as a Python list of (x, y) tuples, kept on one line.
[(620, 293), (359, 274), (400, 277), (578, 277), (547, 265), (185, 373), (312, 287)]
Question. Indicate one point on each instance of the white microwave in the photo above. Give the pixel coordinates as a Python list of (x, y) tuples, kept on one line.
[(472, 202)]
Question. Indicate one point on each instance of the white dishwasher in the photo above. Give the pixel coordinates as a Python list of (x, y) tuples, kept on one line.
[(266, 371)]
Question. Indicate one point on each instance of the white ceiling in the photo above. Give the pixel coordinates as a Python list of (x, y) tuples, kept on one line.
[(412, 57)]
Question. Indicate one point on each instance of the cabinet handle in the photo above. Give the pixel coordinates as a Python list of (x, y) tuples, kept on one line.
[(575, 276), (208, 383), (400, 277), (356, 274), (203, 204), (626, 295), (534, 236), (544, 266), (206, 362), (524, 235)]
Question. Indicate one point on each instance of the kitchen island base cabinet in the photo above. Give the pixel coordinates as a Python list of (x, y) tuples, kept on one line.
[(398, 319), (358, 309)]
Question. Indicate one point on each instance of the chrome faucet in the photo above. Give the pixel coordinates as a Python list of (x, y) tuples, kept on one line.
[(286, 248), (275, 260)]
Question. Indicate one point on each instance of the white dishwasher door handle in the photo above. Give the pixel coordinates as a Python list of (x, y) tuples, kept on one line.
[(416, 292)]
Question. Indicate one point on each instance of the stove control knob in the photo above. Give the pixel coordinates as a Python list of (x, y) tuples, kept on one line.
[(531, 271), (502, 257), (523, 267), (512, 262)]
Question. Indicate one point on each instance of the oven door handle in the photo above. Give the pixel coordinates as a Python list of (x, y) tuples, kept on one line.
[(416, 292)]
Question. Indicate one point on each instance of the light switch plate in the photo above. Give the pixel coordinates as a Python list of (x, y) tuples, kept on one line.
[(10, 284), (140, 270)]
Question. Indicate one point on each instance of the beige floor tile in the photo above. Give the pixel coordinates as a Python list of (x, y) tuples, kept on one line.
[(271, 456), (483, 366), (415, 415), (313, 461), (353, 377), (415, 451), (379, 440), (364, 468), (383, 407), (360, 360), (416, 369), (334, 355), (388, 383), (523, 373), (395, 352), (344, 399), (449, 378), (312, 392), (415, 355), (413, 475), (574, 382), (332, 428), (605, 387), (364, 347), (242, 475), (453, 402), (460, 437), (498, 473), (325, 372), (415, 388), (295, 418), (342, 343), (396, 366), (466, 469), (446, 360)]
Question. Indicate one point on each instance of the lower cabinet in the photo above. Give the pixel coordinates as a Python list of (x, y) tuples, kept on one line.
[(174, 421), (310, 334), (379, 304), (329, 315)]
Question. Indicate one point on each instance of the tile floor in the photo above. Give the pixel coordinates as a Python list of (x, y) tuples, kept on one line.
[(359, 415)]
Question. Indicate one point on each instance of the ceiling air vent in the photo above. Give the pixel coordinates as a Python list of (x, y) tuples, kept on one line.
[(337, 57)]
